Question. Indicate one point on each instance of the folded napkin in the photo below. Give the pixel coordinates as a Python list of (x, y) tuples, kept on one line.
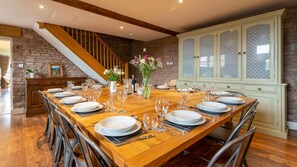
[(121, 140), (182, 128)]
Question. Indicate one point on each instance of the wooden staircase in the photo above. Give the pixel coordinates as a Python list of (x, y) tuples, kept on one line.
[(89, 47)]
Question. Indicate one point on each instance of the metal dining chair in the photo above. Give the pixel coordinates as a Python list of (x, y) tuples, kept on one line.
[(94, 156), (48, 127), (222, 133), (206, 148), (235, 93), (72, 151), (234, 152), (57, 136)]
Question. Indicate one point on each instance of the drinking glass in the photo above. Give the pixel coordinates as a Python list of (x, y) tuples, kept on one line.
[(150, 121), (97, 92), (161, 107), (84, 86), (122, 96), (110, 105), (185, 95), (70, 84)]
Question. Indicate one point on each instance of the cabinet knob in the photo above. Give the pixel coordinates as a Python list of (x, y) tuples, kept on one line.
[(239, 53), (186, 83), (259, 89), (228, 87), (244, 52)]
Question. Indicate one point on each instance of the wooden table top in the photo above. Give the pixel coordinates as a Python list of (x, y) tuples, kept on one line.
[(153, 151)]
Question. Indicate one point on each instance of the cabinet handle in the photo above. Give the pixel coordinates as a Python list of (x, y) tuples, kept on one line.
[(259, 89), (239, 53), (244, 52), (186, 83), (228, 87)]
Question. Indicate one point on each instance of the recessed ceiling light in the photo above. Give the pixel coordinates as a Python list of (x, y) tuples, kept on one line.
[(180, 1), (130, 35), (41, 6), (122, 27)]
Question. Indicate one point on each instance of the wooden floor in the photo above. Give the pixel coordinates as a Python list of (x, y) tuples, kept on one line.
[(22, 145)]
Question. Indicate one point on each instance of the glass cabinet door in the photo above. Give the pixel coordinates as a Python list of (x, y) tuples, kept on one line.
[(229, 54), (258, 51), (187, 58), (206, 53)]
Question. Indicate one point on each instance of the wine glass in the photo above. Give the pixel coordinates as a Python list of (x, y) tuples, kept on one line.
[(70, 84), (161, 107), (150, 121), (122, 96), (185, 95)]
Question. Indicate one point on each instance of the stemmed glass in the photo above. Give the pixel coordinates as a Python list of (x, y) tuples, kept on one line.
[(122, 96), (185, 95), (161, 107), (70, 84)]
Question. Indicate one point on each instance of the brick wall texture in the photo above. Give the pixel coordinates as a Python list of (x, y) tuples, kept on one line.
[(34, 52), (167, 50), (290, 60)]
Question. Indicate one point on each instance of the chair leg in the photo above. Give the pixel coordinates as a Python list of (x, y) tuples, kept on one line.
[(58, 146), (48, 132), (46, 126), (67, 156), (53, 137)]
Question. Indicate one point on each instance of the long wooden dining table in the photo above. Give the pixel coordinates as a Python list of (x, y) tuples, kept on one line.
[(165, 145)]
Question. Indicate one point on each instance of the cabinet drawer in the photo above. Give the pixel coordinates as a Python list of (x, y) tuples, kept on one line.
[(229, 86), (260, 88), (183, 84)]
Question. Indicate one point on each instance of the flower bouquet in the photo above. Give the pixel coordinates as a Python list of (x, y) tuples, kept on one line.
[(113, 75), (147, 65)]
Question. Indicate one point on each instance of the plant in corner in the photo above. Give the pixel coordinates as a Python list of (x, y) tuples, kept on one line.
[(147, 65)]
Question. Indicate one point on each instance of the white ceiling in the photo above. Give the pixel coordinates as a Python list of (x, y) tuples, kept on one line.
[(168, 14)]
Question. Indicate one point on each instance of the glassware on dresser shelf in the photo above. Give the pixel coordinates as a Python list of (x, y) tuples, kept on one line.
[(122, 97), (161, 107)]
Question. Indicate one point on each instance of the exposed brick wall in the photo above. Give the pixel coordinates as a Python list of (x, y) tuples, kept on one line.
[(36, 53), (290, 60), (167, 50)]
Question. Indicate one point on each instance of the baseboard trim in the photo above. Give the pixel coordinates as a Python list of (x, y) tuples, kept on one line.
[(16, 111), (292, 125), (272, 132)]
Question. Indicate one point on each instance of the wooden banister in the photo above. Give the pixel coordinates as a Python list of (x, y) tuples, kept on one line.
[(89, 47)]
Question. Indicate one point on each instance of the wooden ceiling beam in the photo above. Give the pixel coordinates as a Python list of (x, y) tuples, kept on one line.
[(104, 12)]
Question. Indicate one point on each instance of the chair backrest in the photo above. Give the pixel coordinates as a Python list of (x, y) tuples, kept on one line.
[(238, 146), (246, 120), (52, 108), (90, 148), (44, 102), (66, 127)]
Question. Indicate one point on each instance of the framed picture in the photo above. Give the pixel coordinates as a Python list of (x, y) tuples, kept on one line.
[(55, 70)]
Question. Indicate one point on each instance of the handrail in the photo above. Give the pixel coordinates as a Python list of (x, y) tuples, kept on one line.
[(96, 47)]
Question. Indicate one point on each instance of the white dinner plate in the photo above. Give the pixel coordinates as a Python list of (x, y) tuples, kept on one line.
[(117, 124), (185, 116), (99, 129), (215, 111), (63, 94), (76, 87), (212, 106), (221, 93), (231, 100), (55, 90), (198, 122), (162, 87), (86, 105), (100, 106), (72, 100)]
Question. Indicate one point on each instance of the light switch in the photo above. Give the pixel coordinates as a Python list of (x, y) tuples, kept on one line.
[(167, 63), (21, 65)]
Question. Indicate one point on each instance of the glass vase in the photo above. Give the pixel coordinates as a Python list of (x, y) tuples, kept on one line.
[(146, 87)]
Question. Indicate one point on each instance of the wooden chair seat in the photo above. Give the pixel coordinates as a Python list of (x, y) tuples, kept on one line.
[(187, 160)]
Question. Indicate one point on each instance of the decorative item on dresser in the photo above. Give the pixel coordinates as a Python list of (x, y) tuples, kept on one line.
[(33, 100), (244, 56), (55, 70)]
